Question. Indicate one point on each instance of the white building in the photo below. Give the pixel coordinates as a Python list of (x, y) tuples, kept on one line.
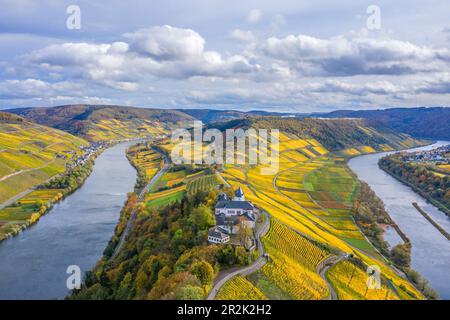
[(216, 236), (234, 213)]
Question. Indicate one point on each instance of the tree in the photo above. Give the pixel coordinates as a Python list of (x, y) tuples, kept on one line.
[(202, 217), (190, 292), (400, 255), (141, 283), (203, 271), (125, 288)]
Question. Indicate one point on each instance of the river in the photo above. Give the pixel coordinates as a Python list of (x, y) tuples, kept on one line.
[(75, 232), (430, 254)]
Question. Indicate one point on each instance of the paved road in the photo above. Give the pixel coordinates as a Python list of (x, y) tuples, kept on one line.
[(144, 191), (322, 269), (255, 266)]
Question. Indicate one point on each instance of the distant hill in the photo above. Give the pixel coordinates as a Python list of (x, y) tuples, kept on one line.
[(211, 115), (30, 153), (334, 134), (431, 123), (104, 122)]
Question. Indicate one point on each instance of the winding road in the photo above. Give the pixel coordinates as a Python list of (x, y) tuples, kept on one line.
[(255, 266), (134, 213)]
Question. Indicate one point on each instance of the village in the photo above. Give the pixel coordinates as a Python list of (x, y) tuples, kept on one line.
[(441, 155), (87, 153)]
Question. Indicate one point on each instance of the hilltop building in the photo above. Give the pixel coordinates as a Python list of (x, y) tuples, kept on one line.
[(231, 215)]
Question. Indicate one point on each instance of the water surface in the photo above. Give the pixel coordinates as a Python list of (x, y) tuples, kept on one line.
[(75, 232), (430, 253)]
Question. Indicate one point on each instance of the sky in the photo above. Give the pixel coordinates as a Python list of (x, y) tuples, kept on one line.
[(283, 55)]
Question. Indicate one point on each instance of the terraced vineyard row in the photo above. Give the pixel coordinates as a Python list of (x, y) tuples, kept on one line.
[(292, 264), (350, 282), (312, 194), (147, 160), (203, 183), (239, 288), (31, 154), (294, 245)]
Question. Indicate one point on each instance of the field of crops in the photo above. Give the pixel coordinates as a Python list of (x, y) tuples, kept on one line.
[(293, 262), (350, 283), (31, 154), (27, 210), (173, 185), (146, 160), (202, 183), (312, 193), (113, 129), (239, 288)]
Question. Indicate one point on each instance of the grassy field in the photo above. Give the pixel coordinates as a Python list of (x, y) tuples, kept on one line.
[(310, 201)]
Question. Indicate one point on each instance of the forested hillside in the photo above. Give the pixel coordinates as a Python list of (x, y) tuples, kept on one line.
[(425, 179), (334, 134), (433, 123)]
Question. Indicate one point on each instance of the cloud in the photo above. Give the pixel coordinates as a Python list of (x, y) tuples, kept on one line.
[(355, 55), (254, 16), (33, 88), (244, 36), (382, 87), (167, 43), (158, 52)]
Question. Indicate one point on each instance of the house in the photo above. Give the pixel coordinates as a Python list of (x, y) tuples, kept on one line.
[(215, 236), (233, 214)]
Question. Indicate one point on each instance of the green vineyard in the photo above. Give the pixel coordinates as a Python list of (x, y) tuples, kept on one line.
[(203, 183)]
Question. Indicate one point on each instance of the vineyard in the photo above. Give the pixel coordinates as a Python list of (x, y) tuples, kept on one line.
[(113, 129), (310, 201), (350, 283), (292, 264), (203, 183), (146, 160), (239, 288), (27, 211), (31, 154)]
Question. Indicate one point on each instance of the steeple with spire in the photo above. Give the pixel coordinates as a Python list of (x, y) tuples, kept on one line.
[(239, 195)]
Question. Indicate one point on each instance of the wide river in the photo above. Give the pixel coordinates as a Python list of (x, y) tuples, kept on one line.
[(75, 232), (430, 249)]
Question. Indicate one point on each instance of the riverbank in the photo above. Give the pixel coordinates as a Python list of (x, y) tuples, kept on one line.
[(430, 252), (41, 199), (75, 232), (427, 216), (416, 189)]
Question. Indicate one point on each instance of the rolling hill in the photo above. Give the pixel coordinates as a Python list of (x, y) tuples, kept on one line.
[(432, 123), (97, 123), (212, 115), (334, 134), (31, 154)]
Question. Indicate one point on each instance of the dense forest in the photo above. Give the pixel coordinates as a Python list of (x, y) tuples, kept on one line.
[(166, 255), (435, 188)]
